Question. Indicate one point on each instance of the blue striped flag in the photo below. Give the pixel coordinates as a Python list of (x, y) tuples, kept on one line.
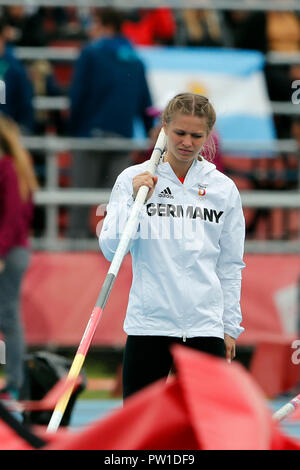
[(233, 80)]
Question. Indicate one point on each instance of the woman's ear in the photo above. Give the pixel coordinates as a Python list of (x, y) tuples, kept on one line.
[(165, 127)]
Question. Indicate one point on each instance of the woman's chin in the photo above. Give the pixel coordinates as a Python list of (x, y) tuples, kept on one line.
[(184, 157)]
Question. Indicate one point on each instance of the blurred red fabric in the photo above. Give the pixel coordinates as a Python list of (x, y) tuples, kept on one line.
[(207, 405)]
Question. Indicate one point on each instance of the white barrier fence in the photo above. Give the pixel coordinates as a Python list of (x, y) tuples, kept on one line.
[(251, 246), (52, 197), (62, 103), (69, 54), (89, 197)]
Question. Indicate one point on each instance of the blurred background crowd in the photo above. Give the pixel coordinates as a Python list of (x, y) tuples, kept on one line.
[(265, 31)]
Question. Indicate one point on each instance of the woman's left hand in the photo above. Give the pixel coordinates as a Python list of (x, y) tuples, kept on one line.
[(229, 347)]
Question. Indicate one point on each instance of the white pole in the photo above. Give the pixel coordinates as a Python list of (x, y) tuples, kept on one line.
[(287, 409), (129, 232)]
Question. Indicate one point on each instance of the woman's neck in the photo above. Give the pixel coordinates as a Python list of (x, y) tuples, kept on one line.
[(180, 168)]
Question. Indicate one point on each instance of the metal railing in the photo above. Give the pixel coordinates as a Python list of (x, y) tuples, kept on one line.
[(62, 103), (69, 54), (53, 197), (257, 5)]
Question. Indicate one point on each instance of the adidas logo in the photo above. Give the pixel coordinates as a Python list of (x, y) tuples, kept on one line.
[(166, 193)]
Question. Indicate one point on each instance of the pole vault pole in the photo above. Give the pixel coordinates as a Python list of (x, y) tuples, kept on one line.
[(127, 235), (287, 409)]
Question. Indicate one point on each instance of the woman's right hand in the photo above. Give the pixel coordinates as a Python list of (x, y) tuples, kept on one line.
[(144, 179)]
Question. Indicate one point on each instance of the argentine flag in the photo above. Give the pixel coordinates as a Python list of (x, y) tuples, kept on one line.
[(233, 80)]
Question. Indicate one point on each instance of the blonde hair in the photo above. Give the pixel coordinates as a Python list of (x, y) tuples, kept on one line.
[(10, 142), (195, 105)]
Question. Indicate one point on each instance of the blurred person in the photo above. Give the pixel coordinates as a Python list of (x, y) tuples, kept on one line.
[(17, 185), (201, 28), (246, 29), (39, 26), (148, 27), (24, 28), (108, 92), (272, 31), (45, 84), (18, 88), (283, 36), (279, 32), (187, 257)]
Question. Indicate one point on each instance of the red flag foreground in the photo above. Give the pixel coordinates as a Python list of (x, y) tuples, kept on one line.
[(208, 405)]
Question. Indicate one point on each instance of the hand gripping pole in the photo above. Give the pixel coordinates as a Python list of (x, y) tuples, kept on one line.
[(129, 231)]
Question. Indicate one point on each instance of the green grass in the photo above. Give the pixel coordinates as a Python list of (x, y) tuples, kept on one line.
[(98, 369), (97, 365), (96, 395)]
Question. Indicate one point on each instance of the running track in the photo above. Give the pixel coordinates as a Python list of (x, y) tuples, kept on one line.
[(87, 411)]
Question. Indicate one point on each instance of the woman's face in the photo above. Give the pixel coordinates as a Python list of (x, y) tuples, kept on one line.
[(186, 135)]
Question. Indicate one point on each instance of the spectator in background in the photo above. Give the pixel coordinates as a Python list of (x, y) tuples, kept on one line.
[(18, 88), (109, 90), (283, 35), (44, 84), (272, 31), (17, 184), (39, 26), (148, 27), (201, 28), (24, 28)]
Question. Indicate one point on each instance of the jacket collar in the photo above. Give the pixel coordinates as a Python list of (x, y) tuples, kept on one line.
[(198, 169)]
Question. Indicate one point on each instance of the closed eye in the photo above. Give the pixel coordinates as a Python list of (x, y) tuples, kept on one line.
[(194, 136), (179, 132), (197, 136)]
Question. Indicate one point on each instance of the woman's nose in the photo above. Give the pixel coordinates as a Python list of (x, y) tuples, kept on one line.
[(187, 140)]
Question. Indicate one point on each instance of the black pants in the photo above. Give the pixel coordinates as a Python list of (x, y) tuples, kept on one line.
[(148, 358)]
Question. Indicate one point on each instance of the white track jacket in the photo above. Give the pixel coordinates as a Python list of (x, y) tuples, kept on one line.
[(187, 256)]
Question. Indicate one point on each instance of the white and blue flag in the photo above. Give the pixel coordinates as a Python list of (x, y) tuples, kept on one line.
[(233, 80)]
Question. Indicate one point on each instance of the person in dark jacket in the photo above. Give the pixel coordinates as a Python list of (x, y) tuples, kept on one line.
[(18, 91), (109, 93)]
